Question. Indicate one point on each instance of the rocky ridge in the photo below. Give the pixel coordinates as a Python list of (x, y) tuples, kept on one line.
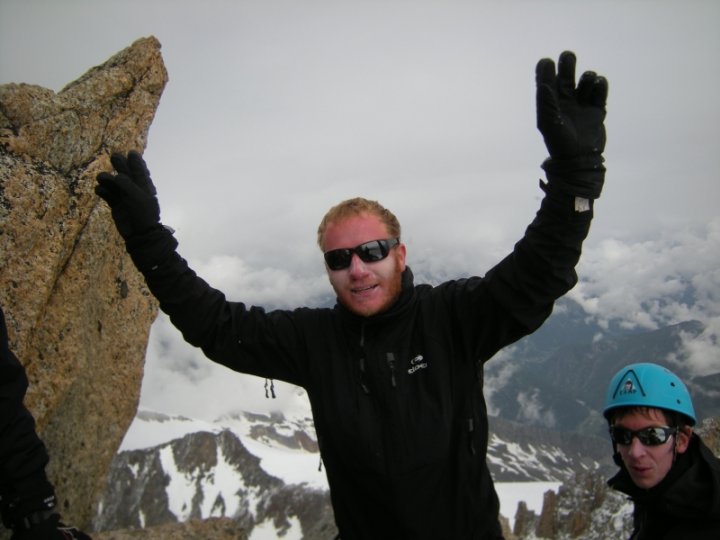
[(78, 312)]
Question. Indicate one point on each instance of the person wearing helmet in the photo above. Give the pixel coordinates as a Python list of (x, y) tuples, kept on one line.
[(671, 476)]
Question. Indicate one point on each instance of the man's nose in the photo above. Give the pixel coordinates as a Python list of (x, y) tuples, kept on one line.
[(357, 266), (636, 447)]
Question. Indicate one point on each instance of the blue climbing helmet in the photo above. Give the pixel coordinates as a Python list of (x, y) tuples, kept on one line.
[(648, 385)]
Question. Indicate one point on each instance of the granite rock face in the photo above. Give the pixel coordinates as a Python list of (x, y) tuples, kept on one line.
[(214, 528), (78, 312)]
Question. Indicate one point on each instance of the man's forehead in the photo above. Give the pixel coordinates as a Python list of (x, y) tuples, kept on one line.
[(352, 230), (350, 219), (649, 413)]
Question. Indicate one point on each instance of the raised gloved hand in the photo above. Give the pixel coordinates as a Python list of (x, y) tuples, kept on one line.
[(131, 195), (571, 120)]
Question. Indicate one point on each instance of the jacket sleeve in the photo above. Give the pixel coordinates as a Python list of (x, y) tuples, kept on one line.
[(517, 295), (245, 339), (24, 486)]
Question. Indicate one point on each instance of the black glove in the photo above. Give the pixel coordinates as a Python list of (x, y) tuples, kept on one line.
[(49, 529), (41, 524), (71, 533), (130, 194), (571, 120)]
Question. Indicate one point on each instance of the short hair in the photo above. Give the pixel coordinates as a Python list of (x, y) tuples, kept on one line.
[(674, 419), (355, 207)]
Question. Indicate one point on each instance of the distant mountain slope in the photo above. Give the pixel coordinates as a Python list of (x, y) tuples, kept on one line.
[(557, 381), (263, 471), (206, 475)]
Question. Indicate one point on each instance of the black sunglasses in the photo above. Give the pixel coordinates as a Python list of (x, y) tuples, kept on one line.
[(650, 436), (373, 251)]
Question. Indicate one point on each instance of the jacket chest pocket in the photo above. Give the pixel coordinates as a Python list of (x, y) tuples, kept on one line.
[(404, 421), (352, 425), (415, 411)]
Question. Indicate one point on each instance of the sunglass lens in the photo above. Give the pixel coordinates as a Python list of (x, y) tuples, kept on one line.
[(372, 251), (652, 436), (337, 259), (621, 435)]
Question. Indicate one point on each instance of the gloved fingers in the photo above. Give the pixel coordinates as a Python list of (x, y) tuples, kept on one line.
[(114, 187), (107, 195), (585, 87), (566, 74), (592, 90), (599, 94), (119, 163), (139, 172), (548, 108), (545, 73), (106, 188)]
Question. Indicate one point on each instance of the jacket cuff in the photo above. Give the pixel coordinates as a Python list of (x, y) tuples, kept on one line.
[(151, 248), (582, 176)]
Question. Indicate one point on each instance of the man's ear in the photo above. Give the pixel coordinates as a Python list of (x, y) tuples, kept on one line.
[(682, 439), (402, 252)]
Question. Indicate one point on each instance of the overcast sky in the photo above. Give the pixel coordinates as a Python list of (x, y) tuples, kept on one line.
[(276, 110)]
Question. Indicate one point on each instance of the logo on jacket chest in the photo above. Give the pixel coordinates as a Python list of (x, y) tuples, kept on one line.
[(416, 364)]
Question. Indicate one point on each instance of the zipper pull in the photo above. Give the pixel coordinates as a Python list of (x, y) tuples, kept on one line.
[(363, 382), (362, 376), (391, 362), (471, 431)]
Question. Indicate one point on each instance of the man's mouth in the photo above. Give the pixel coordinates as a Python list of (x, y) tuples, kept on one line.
[(360, 290)]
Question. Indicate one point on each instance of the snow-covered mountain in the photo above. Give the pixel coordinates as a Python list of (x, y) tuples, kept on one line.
[(265, 472)]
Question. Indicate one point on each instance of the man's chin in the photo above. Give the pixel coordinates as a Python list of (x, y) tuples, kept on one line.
[(365, 309), (368, 305)]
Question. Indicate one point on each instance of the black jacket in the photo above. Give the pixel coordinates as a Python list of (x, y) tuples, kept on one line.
[(396, 398), (685, 505), (24, 486)]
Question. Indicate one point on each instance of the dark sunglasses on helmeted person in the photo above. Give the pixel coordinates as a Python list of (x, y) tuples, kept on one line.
[(649, 436), (373, 251)]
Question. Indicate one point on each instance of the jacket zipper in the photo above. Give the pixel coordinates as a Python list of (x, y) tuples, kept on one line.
[(363, 370), (391, 363)]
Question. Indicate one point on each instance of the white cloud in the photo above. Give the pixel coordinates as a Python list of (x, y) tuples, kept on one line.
[(531, 409), (503, 368), (265, 286), (702, 352), (180, 380), (651, 283)]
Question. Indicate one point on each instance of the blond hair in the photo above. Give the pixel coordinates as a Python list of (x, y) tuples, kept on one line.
[(355, 207)]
